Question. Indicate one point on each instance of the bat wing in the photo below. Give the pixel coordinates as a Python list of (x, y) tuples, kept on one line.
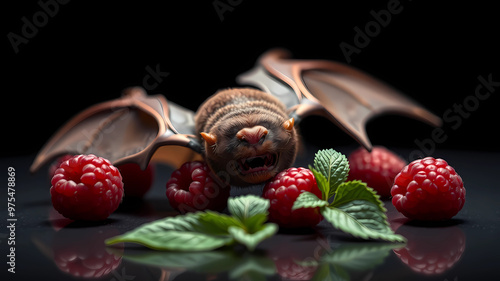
[(343, 94), (131, 129)]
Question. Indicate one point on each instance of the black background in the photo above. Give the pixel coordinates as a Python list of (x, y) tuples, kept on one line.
[(88, 52)]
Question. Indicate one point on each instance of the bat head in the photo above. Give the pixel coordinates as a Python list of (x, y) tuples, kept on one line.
[(250, 150)]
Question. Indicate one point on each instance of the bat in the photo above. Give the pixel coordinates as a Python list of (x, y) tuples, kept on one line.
[(245, 135)]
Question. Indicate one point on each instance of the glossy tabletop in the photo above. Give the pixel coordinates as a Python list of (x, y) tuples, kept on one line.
[(50, 247)]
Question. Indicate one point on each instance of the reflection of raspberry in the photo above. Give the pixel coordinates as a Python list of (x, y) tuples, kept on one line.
[(297, 262), (84, 254), (290, 269), (431, 251), (136, 182), (191, 188), (428, 189), (376, 168), (283, 190), (86, 187)]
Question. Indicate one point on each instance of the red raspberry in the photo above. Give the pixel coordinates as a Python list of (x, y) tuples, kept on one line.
[(192, 188), (428, 189), (377, 168), (55, 165), (86, 187), (136, 182), (283, 190)]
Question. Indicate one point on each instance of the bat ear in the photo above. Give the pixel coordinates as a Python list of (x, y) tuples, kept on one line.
[(211, 139), (288, 124)]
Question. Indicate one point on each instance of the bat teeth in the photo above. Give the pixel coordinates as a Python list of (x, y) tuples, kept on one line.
[(258, 163)]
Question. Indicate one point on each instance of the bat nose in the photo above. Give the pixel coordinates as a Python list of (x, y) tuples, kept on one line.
[(252, 135)]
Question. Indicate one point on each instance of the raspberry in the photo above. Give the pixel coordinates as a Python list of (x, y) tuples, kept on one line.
[(86, 187), (283, 190), (55, 165), (377, 168), (136, 182), (192, 188), (428, 189)]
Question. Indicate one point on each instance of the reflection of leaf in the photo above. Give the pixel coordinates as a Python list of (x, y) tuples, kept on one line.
[(329, 272), (359, 257), (245, 266), (351, 258), (253, 267), (322, 273), (215, 261)]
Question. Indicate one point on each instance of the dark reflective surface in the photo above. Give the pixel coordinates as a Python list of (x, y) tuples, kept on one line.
[(50, 247)]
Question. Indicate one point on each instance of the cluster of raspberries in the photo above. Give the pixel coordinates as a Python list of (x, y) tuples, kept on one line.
[(426, 189), (87, 187)]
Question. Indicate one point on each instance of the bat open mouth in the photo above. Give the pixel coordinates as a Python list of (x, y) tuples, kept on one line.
[(265, 162)]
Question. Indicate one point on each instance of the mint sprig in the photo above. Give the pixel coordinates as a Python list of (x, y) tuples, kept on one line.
[(334, 168), (203, 231), (351, 206)]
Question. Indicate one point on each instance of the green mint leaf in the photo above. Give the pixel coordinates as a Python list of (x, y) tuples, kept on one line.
[(356, 190), (245, 207), (334, 167), (180, 233), (255, 222), (361, 219), (367, 214), (251, 240), (219, 223), (322, 182), (308, 200), (208, 230), (251, 212)]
